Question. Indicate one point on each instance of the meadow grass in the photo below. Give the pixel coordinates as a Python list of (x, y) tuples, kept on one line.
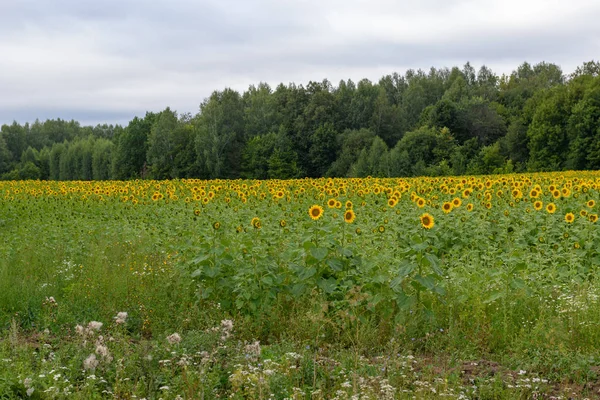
[(492, 303)]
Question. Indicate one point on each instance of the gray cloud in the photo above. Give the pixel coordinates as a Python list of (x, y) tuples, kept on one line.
[(109, 60)]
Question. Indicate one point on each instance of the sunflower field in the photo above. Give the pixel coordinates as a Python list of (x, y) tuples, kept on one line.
[(339, 280)]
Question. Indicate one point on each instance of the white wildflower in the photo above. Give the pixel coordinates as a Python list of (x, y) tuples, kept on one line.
[(121, 317), (103, 352), (91, 362), (94, 326), (80, 330), (30, 392), (174, 338)]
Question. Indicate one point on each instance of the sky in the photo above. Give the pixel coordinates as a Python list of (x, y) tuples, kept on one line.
[(108, 61)]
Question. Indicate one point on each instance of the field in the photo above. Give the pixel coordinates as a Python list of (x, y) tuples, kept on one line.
[(458, 287)]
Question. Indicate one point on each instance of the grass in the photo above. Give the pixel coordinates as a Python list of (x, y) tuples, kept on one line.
[(509, 317)]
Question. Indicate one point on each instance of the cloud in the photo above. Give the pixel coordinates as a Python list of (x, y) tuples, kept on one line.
[(116, 59)]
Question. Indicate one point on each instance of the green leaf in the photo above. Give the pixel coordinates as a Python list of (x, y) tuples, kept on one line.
[(196, 273), (327, 285), (434, 263), (319, 253), (335, 264), (427, 281), (493, 296), (307, 273), (405, 270), (267, 280)]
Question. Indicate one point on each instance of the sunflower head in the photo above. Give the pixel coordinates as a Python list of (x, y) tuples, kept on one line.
[(349, 216), (216, 225), (538, 205), (551, 208), (569, 217), (315, 212), (427, 221), (447, 207)]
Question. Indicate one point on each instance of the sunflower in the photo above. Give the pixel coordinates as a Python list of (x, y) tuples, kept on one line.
[(358, 231), (551, 208), (155, 196), (591, 203), (420, 202), (593, 218), (196, 212), (470, 207), (256, 223), (315, 212), (349, 216), (338, 204), (427, 221), (349, 205), (381, 228), (331, 203), (391, 202), (569, 217), (583, 213), (456, 202), (538, 205), (447, 207), (282, 223), (216, 225), (556, 193)]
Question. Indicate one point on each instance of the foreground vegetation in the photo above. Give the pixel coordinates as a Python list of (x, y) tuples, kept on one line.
[(458, 287)]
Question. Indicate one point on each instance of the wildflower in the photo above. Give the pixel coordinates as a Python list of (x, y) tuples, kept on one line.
[(174, 338), (121, 317), (94, 326), (91, 362), (103, 352), (226, 328), (79, 329)]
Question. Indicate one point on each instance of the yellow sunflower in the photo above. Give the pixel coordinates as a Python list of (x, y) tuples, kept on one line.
[(427, 221), (315, 212), (349, 216), (569, 217), (447, 207), (551, 208)]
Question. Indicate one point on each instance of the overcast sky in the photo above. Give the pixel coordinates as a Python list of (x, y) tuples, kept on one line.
[(109, 60)]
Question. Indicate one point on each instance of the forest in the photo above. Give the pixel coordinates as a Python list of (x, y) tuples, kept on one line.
[(423, 123)]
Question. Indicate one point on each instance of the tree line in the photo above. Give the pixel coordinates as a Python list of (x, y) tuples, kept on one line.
[(440, 122)]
